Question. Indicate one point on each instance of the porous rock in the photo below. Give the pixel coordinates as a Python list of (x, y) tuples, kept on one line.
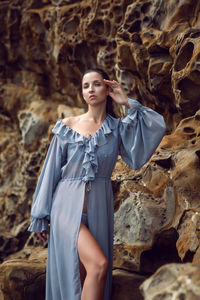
[(152, 49), (22, 279), (173, 281)]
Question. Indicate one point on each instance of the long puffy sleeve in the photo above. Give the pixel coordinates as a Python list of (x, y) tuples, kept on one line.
[(48, 179), (141, 131)]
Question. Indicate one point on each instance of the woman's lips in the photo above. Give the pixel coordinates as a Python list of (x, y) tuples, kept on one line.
[(92, 96)]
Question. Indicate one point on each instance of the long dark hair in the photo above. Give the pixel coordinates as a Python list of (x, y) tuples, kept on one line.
[(109, 103)]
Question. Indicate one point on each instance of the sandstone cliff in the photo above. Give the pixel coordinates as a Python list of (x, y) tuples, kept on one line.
[(152, 49)]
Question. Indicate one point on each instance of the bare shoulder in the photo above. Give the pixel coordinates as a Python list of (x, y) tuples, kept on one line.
[(70, 121), (67, 121)]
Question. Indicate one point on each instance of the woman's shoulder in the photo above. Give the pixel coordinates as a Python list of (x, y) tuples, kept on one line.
[(64, 128), (69, 121)]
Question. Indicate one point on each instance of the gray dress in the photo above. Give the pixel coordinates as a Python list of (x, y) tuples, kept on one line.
[(72, 162)]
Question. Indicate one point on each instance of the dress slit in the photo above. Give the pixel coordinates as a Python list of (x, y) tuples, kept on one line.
[(85, 199)]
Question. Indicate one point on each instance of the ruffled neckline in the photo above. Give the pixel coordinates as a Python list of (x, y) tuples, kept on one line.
[(99, 137), (82, 135)]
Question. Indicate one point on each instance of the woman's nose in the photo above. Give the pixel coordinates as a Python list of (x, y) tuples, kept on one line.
[(91, 88)]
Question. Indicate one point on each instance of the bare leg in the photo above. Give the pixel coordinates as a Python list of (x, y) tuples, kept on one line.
[(95, 263), (82, 272)]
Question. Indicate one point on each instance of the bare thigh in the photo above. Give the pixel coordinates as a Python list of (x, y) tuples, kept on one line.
[(89, 250), (82, 272)]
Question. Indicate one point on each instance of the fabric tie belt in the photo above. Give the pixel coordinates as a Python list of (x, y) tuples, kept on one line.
[(88, 182)]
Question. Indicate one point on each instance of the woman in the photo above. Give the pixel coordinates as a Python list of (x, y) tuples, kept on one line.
[(78, 166)]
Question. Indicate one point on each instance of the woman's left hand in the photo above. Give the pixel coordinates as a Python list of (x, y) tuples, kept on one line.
[(116, 92)]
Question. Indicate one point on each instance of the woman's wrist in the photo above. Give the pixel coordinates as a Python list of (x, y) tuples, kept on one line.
[(126, 103)]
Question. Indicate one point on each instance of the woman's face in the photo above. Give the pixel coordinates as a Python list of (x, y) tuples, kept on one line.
[(94, 89)]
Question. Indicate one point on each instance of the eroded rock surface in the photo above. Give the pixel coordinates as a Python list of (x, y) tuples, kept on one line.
[(173, 281), (126, 285), (152, 48), (22, 279)]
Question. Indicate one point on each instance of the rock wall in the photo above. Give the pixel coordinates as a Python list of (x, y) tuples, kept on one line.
[(152, 49), (173, 281)]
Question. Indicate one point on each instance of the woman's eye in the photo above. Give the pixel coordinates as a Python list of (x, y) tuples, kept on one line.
[(86, 86)]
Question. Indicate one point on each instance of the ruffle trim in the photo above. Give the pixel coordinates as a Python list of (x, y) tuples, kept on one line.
[(138, 111), (90, 163), (38, 225), (72, 136)]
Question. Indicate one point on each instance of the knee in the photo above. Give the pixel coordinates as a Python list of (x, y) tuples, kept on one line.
[(101, 267)]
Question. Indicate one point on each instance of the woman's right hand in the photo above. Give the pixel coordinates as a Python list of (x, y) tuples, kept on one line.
[(42, 235)]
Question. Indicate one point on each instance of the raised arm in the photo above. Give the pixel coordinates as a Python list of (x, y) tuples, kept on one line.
[(141, 131)]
